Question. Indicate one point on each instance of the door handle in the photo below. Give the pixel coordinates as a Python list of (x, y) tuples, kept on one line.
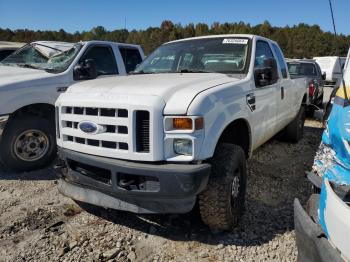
[(282, 92), (251, 101), (62, 89)]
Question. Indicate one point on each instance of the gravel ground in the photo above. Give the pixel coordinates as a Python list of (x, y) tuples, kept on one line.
[(39, 224)]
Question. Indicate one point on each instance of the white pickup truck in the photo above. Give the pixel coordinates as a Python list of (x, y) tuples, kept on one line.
[(32, 78), (179, 129)]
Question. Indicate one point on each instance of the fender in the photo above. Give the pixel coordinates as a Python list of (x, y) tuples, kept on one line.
[(221, 106)]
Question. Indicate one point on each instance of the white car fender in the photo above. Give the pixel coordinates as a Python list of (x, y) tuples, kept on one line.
[(220, 106)]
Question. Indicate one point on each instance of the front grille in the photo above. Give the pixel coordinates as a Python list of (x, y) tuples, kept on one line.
[(142, 131), (117, 130), (93, 111), (109, 128)]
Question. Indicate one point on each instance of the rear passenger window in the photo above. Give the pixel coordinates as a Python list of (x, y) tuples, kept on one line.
[(104, 59), (281, 61), (308, 69), (131, 57)]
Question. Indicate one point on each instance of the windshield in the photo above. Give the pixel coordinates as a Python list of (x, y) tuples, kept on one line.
[(302, 69), (49, 57), (209, 55)]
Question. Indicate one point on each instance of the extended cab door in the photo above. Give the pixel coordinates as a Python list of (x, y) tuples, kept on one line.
[(265, 111), (285, 92)]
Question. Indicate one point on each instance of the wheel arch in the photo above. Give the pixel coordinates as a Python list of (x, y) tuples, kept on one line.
[(43, 110), (238, 132)]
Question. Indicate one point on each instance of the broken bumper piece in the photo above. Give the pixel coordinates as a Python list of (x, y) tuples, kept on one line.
[(313, 246), (334, 215)]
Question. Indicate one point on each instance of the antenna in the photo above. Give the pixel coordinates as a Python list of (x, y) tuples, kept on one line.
[(337, 50)]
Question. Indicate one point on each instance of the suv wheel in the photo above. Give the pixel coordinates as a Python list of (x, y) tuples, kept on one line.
[(221, 204), (28, 143)]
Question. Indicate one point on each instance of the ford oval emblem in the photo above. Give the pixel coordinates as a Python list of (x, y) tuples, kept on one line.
[(88, 127)]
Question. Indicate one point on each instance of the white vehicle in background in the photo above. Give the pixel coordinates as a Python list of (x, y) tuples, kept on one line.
[(32, 78), (332, 66), (7, 48), (179, 129)]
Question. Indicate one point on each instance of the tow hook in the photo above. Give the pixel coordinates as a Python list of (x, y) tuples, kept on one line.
[(126, 183)]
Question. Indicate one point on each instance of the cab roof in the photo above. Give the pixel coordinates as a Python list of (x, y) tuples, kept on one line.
[(68, 44), (250, 36)]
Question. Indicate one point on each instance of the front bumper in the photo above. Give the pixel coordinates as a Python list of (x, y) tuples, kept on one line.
[(313, 246), (3, 122), (131, 186)]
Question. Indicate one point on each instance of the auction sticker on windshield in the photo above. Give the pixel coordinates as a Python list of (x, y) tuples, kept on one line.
[(235, 41)]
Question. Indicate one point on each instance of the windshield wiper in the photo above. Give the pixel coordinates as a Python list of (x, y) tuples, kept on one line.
[(29, 66), (52, 70), (193, 71), (140, 72)]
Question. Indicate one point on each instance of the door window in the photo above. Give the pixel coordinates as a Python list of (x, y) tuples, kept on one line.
[(131, 58), (263, 51), (104, 59)]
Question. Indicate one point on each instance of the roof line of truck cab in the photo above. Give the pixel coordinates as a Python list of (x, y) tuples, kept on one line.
[(85, 42), (250, 36)]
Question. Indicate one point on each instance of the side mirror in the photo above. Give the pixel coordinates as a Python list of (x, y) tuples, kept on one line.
[(266, 75), (324, 75), (85, 70)]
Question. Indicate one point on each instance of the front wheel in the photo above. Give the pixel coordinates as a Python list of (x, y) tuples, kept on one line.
[(221, 204), (28, 143)]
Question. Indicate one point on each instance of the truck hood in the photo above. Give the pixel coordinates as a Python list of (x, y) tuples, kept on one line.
[(177, 90), (10, 75)]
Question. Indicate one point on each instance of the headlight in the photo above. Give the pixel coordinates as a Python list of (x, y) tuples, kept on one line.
[(183, 147)]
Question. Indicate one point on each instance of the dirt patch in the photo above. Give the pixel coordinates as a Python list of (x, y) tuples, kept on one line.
[(37, 223)]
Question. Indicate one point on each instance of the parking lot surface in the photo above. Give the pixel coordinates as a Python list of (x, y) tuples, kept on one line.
[(37, 223)]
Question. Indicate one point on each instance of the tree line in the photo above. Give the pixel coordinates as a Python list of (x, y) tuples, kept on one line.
[(298, 41)]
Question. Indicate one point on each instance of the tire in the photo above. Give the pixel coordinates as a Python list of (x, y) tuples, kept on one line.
[(320, 101), (28, 143), (294, 131), (220, 207), (310, 112)]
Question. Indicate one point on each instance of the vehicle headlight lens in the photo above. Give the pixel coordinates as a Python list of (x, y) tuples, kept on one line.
[(183, 147)]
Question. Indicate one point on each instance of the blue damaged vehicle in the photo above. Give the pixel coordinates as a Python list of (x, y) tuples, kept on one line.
[(323, 230)]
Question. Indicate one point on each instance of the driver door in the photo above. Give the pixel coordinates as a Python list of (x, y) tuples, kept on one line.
[(265, 113)]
